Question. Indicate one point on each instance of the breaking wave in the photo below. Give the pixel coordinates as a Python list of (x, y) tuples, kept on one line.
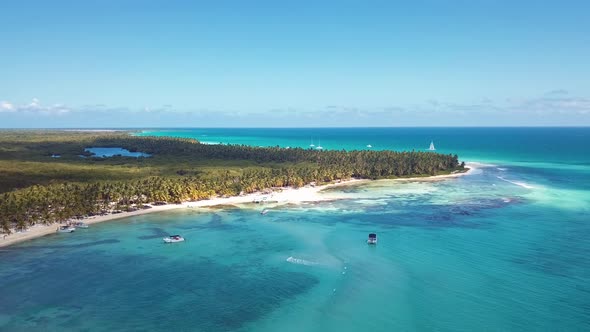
[(478, 164), (518, 183)]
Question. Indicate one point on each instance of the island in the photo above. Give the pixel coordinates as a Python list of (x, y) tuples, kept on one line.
[(156, 173)]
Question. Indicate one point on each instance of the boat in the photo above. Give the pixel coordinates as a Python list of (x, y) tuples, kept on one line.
[(264, 211), (260, 200), (369, 146), (80, 224), (173, 239), (311, 145), (431, 148), (372, 238), (65, 229), (319, 147)]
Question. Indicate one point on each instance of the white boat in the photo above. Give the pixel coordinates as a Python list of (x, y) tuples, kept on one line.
[(260, 200), (319, 147), (173, 239), (264, 211), (80, 224), (311, 145), (369, 146), (431, 148), (65, 229), (372, 238)]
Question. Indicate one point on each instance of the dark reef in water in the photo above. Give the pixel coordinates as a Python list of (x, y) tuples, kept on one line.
[(148, 292)]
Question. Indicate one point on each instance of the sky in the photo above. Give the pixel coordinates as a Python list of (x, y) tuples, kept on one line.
[(118, 63)]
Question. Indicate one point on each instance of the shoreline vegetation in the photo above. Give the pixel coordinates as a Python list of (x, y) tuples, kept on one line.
[(38, 192)]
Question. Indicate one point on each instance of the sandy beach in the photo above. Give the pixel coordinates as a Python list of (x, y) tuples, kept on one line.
[(278, 196)]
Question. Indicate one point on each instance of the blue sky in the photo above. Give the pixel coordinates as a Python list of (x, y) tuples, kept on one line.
[(298, 63)]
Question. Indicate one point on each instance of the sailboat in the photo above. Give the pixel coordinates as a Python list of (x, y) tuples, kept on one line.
[(319, 147), (431, 148), (311, 145)]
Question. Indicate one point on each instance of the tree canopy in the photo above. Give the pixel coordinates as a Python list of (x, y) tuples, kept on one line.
[(37, 188)]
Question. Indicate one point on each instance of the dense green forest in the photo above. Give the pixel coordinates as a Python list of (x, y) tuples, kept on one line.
[(36, 187)]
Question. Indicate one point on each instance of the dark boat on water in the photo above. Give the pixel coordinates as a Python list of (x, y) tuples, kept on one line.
[(372, 238)]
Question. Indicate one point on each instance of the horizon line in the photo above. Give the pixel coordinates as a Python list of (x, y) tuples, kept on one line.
[(279, 127)]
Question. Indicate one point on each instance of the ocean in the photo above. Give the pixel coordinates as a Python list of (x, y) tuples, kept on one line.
[(504, 248)]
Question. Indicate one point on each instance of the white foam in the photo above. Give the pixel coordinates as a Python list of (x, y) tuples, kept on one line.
[(518, 183), (300, 261), (372, 201), (478, 164)]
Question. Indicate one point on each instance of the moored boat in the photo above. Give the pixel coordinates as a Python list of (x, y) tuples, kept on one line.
[(372, 238), (173, 239), (80, 224), (431, 147), (264, 211), (65, 229)]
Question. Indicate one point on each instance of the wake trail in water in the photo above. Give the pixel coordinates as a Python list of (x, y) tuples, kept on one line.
[(300, 261)]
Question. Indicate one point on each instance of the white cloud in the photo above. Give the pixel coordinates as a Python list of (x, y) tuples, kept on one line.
[(34, 107), (6, 106), (558, 101), (34, 103), (557, 92), (555, 108), (556, 104)]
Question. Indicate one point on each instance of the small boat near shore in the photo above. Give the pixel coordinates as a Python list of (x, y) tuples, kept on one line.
[(65, 229), (372, 239), (264, 211), (173, 239), (80, 224)]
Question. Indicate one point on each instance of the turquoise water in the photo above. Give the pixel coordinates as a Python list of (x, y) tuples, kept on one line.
[(110, 152), (502, 249), (553, 145)]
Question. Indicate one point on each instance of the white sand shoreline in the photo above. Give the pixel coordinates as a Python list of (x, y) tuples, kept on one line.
[(283, 196)]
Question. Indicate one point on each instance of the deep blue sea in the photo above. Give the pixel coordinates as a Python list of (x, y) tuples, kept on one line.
[(505, 248)]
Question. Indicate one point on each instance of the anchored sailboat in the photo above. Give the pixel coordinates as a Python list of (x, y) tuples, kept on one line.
[(311, 145), (431, 148), (319, 147)]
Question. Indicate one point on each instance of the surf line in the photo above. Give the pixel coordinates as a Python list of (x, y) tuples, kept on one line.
[(518, 183)]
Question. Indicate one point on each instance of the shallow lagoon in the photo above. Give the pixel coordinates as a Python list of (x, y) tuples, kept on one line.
[(110, 152)]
